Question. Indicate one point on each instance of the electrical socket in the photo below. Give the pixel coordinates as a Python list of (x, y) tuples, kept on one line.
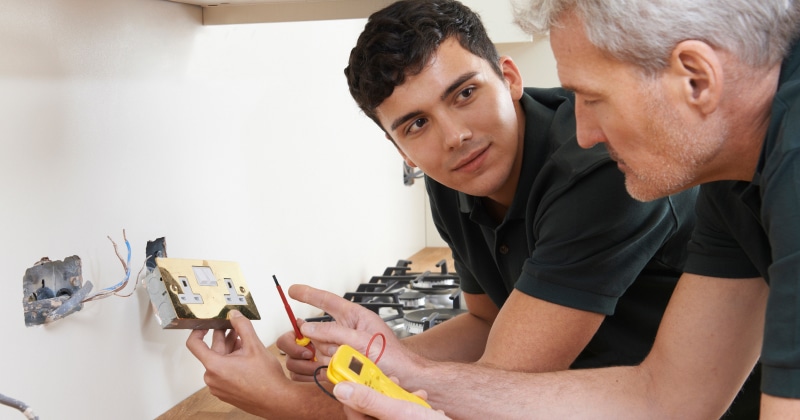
[(198, 294)]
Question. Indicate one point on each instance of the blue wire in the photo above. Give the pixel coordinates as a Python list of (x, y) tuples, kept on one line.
[(127, 270), (128, 264)]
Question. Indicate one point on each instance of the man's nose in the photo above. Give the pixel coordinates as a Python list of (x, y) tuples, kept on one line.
[(455, 133), (587, 130)]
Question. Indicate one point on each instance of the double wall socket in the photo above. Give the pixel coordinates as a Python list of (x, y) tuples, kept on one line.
[(198, 294)]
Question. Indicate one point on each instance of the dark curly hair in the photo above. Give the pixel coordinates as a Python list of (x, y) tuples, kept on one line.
[(399, 40)]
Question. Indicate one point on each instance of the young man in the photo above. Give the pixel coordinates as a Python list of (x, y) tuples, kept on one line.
[(683, 93), (559, 266)]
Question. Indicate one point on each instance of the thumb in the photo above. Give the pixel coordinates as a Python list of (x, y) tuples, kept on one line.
[(344, 393), (244, 327)]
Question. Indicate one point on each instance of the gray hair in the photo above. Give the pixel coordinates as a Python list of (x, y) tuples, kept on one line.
[(644, 32)]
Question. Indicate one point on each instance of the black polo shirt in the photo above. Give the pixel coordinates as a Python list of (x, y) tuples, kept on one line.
[(572, 236), (752, 229)]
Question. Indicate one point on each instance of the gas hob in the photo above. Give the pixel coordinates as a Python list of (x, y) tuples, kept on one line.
[(409, 302)]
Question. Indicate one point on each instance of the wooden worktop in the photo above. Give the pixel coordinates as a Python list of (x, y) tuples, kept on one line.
[(203, 406)]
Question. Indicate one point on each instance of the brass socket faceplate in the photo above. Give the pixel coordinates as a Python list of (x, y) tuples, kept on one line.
[(198, 294)]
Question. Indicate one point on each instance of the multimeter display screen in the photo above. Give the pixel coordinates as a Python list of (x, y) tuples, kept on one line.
[(355, 366)]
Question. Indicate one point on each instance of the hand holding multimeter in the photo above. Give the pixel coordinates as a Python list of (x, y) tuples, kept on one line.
[(347, 364)]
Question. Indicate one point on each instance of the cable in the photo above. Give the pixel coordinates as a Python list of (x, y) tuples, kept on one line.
[(325, 390), (19, 405), (136, 283), (126, 265), (382, 347)]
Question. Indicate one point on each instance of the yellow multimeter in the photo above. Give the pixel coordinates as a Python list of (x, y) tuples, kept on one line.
[(347, 364)]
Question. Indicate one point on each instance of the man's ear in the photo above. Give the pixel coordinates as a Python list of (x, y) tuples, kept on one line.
[(698, 69), (405, 158), (512, 76)]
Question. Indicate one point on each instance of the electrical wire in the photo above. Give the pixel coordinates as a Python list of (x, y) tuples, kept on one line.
[(126, 265), (77, 298), (138, 277), (19, 405), (376, 335), (316, 380)]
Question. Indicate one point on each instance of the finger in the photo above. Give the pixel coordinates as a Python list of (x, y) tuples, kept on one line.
[(332, 304), (368, 401), (422, 394), (329, 335), (287, 343), (218, 341), (351, 414), (232, 341), (246, 332), (238, 344), (196, 345), (302, 370), (310, 351)]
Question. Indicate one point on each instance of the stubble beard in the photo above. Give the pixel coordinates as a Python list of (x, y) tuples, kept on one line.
[(684, 150)]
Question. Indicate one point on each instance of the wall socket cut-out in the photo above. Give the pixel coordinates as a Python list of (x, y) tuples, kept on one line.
[(48, 286), (198, 294)]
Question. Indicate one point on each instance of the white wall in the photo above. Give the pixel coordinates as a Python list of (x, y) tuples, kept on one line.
[(235, 142), (535, 60)]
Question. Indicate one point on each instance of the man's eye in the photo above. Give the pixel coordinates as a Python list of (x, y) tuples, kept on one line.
[(416, 125), (586, 101), (466, 93)]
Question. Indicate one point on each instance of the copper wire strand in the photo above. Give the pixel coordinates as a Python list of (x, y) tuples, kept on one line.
[(106, 293), (136, 283), (116, 250)]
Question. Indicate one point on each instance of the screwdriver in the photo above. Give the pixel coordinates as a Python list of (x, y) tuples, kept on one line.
[(299, 338)]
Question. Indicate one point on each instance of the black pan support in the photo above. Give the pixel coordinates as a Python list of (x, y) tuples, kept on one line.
[(383, 291)]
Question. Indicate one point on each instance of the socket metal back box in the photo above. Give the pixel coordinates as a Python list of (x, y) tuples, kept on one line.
[(198, 294)]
